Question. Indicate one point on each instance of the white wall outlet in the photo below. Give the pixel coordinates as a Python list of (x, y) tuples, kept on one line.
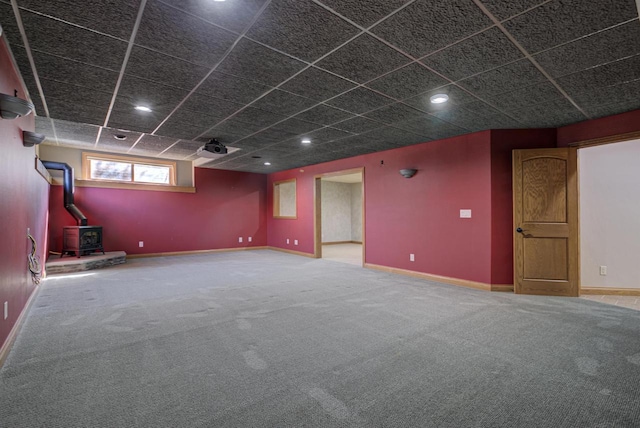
[(140, 244), (287, 241), (465, 213), (240, 239), (6, 310), (603, 270), (295, 242), (249, 239), (412, 257)]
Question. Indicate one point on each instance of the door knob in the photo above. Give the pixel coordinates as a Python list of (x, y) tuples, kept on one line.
[(519, 230)]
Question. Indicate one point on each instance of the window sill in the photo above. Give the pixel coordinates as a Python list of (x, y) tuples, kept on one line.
[(128, 186)]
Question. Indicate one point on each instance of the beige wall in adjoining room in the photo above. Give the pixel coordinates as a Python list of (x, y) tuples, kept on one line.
[(610, 215)]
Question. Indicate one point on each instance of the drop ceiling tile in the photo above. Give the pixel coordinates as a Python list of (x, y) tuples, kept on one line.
[(233, 15), (9, 27), (251, 143), (613, 99), (75, 94), (232, 128), (473, 121), (74, 134), (504, 79), (456, 95), (123, 116), (152, 144), (395, 136), (324, 115), (200, 118), (274, 135), (487, 50), (431, 127), (231, 88), (108, 142), (558, 22), (394, 113), (610, 74), (358, 125), (174, 128), (161, 68), (505, 9), (114, 17), (525, 96), (24, 67), (553, 114), (158, 97), (296, 126), (425, 26), (255, 117), (326, 135), (260, 64), (317, 84), (600, 48), (364, 12), (182, 149), (58, 38), (300, 28), (44, 126), (216, 107), (179, 34), (61, 108), (359, 100), (615, 107), (283, 103), (74, 72), (363, 59), (408, 81)]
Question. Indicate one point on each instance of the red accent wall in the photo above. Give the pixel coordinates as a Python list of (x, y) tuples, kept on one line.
[(604, 127), (226, 205), (503, 142), (24, 196)]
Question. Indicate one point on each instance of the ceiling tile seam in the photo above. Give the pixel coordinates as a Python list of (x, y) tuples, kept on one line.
[(32, 63), (526, 10), (638, 6), (457, 42), (415, 60), (529, 57), (125, 61), (170, 147), (98, 137), (593, 67), (329, 9), (585, 36), (73, 60), (224, 56), (55, 133), (44, 15), (186, 12), (137, 141)]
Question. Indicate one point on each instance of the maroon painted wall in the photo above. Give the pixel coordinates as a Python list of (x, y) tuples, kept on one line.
[(418, 215), (503, 142), (226, 205), (604, 127), (24, 196)]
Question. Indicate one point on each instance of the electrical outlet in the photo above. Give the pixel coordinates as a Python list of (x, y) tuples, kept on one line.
[(412, 257), (140, 244), (603, 270), (287, 241), (295, 242), (240, 239), (6, 310), (249, 239)]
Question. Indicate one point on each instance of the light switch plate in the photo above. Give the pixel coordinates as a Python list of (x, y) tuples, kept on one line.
[(465, 213)]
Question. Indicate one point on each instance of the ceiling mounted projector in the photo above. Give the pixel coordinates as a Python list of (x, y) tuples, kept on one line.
[(212, 149)]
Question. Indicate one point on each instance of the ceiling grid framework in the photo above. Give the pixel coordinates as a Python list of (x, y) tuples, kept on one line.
[(354, 76)]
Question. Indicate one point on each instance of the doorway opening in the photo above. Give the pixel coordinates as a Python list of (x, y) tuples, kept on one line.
[(339, 216)]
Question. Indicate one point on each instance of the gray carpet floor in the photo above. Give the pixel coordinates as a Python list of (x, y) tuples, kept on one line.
[(267, 339)]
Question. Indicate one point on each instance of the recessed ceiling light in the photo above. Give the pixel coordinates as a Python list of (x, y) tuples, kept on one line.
[(267, 163), (256, 157), (306, 141), (144, 108), (439, 98), (120, 137)]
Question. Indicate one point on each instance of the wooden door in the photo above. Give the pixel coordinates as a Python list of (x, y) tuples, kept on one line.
[(545, 217)]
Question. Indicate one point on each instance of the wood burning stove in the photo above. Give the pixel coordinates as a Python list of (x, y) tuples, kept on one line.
[(81, 240)]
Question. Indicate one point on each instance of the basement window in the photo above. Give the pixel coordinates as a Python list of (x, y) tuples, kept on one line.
[(284, 199), (123, 169)]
